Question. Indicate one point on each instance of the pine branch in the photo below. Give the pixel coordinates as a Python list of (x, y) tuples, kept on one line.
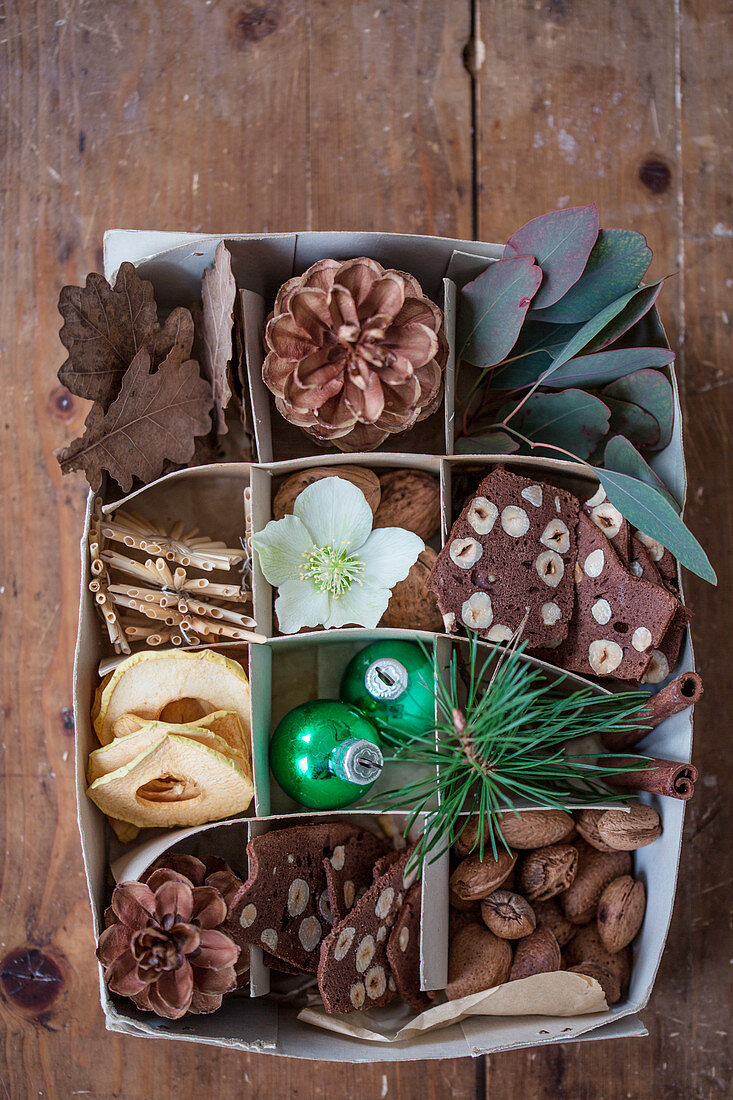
[(506, 742)]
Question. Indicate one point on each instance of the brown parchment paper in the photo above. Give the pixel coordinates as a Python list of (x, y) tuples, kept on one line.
[(556, 994)]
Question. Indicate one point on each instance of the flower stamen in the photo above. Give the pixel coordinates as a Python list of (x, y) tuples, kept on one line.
[(331, 569)]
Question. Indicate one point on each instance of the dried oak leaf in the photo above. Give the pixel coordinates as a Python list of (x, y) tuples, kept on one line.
[(105, 327), (174, 340), (218, 293), (156, 417)]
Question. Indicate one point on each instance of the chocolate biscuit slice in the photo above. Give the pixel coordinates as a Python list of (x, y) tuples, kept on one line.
[(608, 519), (619, 618), (403, 952), (663, 559), (509, 555), (382, 865), (354, 970), (349, 871), (665, 658), (283, 907)]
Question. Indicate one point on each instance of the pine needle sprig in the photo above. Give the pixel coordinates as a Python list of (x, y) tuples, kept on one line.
[(506, 742)]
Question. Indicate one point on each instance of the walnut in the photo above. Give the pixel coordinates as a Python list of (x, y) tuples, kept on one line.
[(293, 486), (409, 499)]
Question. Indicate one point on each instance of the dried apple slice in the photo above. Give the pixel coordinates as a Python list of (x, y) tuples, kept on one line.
[(123, 830), (121, 750), (146, 683), (177, 781), (224, 723)]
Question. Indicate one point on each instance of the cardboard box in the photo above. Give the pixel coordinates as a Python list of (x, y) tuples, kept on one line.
[(174, 263)]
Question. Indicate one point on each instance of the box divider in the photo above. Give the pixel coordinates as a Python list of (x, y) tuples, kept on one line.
[(261, 488), (260, 678), (449, 326), (259, 973), (253, 321)]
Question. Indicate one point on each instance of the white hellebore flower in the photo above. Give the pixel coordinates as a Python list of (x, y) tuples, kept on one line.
[(328, 565)]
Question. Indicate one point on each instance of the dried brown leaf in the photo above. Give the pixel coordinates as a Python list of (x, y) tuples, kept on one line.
[(218, 293), (105, 327), (174, 340), (156, 417)]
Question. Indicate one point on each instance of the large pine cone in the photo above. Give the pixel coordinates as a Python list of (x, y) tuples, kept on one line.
[(164, 945), (355, 353)]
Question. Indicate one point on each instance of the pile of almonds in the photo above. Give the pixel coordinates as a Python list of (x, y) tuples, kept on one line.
[(563, 898)]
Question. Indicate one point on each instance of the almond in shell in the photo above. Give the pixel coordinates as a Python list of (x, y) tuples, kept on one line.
[(621, 912), (595, 871), (623, 831), (607, 980), (475, 878), (536, 954), (535, 828), (477, 960), (550, 914), (587, 947), (586, 822), (509, 916), (547, 871)]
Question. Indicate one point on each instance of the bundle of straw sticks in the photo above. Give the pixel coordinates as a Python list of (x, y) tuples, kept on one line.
[(147, 584)]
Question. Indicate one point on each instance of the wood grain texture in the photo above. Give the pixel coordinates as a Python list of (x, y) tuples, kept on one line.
[(220, 115)]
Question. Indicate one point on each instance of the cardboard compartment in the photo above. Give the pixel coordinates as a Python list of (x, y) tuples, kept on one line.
[(261, 265), (468, 262), (433, 932), (303, 669), (208, 500), (277, 439), (241, 1022), (312, 661), (253, 1022), (266, 479), (460, 474)]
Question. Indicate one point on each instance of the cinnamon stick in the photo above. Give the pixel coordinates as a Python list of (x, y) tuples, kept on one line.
[(683, 692), (672, 778)]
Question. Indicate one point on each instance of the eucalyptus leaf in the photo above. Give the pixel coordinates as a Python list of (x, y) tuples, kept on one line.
[(493, 308), (650, 390), (574, 420), (487, 443), (622, 456), (617, 313), (534, 351), (632, 421), (640, 303), (561, 243), (617, 264), (585, 370), (650, 512)]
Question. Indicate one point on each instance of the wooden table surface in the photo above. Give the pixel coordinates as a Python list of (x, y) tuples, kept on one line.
[(452, 117)]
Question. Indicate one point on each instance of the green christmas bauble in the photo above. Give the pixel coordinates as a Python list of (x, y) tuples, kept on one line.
[(325, 754), (392, 683)]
